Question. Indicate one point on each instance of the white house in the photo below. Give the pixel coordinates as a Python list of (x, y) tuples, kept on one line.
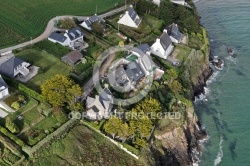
[(130, 18), (87, 23), (13, 67), (145, 61), (174, 33), (179, 2), (4, 91), (157, 2), (72, 38), (99, 107), (130, 73), (163, 46)]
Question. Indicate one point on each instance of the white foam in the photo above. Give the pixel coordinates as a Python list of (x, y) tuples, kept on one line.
[(213, 77), (231, 59), (220, 153)]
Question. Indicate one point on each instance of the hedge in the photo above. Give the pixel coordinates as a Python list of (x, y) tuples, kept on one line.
[(12, 136), (21, 87), (48, 140)]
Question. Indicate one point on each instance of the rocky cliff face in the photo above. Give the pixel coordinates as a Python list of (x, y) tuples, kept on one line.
[(198, 87), (180, 144)]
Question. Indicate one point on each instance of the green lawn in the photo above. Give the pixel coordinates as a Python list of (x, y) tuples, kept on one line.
[(82, 146), (49, 66), (184, 52), (23, 19), (148, 30)]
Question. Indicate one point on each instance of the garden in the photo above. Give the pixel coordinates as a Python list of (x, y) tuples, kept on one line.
[(148, 30), (48, 65), (82, 141)]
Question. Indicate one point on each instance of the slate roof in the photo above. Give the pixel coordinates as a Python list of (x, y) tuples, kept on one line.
[(106, 94), (72, 57), (133, 15), (144, 48), (75, 33), (58, 37), (2, 83), (165, 40), (91, 20), (134, 71), (173, 31), (7, 68)]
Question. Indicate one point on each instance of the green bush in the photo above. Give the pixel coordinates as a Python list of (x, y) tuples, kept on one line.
[(15, 105), (31, 92), (11, 136)]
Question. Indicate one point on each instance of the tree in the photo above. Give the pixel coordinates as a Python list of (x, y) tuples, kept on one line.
[(59, 90), (15, 105), (173, 75), (113, 126), (98, 28), (67, 23), (139, 143), (72, 98), (11, 126), (149, 106), (176, 86), (125, 131)]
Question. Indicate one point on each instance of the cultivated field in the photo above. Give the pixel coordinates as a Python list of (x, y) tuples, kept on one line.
[(82, 146), (22, 19)]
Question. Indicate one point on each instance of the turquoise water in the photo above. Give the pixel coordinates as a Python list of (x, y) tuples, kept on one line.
[(226, 111)]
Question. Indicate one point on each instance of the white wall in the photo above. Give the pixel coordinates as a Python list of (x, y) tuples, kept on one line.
[(126, 20)]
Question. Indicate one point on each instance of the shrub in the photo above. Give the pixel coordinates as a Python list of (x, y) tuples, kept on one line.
[(15, 105), (11, 126), (12, 136)]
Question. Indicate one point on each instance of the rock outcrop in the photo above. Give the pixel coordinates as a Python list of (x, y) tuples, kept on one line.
[(181, 144)]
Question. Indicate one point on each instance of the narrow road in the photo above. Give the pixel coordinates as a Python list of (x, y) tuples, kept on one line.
[(50, 28)]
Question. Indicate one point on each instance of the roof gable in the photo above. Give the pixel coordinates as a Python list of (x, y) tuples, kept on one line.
[(165, 40), (58, 37), (74, 33), (7, 68), (173, 31)]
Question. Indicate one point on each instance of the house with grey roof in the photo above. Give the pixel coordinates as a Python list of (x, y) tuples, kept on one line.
[(174, 33), (163, 45), (88, 22), (127, 73), (4, 91), (58, 38), (13, 66), (72, 58), (130, 18), (99, 107), (72, 38)]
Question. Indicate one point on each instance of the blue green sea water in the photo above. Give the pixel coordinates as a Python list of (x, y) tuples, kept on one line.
[(225, 111)]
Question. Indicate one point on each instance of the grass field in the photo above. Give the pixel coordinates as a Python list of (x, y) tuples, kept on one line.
[(82, 146), (22, 19), (49, 66)]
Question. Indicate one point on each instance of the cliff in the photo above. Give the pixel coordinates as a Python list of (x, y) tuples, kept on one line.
[(180, 146)]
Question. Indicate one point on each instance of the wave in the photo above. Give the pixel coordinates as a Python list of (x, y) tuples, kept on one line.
[(220, 153)]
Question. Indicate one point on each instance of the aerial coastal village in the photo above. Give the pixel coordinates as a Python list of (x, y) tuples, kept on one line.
[(111, 83)]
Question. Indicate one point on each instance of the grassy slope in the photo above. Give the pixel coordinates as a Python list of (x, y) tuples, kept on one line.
[(22, 19), (84, 147), (49, 64)]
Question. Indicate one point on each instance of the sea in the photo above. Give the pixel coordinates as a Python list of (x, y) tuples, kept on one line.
[(224, 110)]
